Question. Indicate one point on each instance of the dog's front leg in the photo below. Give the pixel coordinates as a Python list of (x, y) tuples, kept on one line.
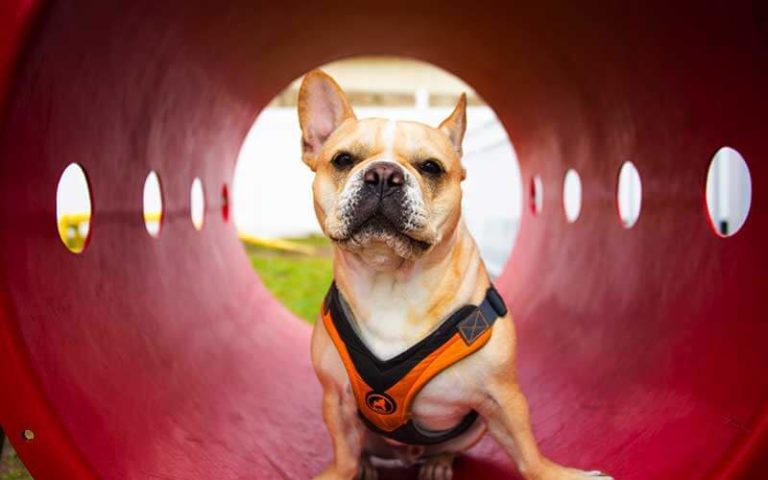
[(505, 410), (347, 434)]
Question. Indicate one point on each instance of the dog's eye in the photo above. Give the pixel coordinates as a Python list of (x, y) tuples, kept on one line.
[(431, 167), (342, 160)]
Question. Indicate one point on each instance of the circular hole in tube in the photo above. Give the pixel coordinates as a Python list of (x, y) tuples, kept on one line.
[(729, 191), (197, 203), (536, 195), (494, 193), (153, 204), (225, 202), (572, 195), (73, 208), (629, 194)]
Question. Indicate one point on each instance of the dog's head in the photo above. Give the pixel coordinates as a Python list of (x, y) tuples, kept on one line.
[(391, 188)]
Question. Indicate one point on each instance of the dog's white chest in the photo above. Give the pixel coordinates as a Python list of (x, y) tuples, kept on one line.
[(387, 331), (443, 402)]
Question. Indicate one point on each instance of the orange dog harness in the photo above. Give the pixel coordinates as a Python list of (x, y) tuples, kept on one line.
[(385, 389)]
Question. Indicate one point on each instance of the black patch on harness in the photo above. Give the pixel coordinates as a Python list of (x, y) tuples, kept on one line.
[(473, 326)]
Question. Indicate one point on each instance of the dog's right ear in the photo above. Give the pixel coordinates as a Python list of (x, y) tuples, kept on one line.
[(322, 108)]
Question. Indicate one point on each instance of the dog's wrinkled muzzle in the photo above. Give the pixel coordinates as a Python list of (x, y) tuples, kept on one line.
[(381, 202)]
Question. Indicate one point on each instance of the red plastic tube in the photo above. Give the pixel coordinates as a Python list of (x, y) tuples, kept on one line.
[(643, 351)]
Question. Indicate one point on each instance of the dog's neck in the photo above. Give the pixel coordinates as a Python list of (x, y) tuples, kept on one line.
[(393, 308)]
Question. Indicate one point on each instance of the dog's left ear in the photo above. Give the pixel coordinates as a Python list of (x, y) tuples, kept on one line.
[(456, 124), (322, 108)]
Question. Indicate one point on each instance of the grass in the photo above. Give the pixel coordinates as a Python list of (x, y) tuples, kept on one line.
[(299, 281), (11, 467), (314, 240)]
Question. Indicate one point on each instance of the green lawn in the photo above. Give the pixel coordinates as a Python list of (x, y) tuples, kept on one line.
[(11, 467), (299, 281)]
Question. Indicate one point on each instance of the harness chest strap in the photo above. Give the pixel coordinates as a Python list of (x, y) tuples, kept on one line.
[(385, 390)]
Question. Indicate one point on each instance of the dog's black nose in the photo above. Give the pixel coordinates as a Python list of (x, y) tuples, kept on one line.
[(384, 176)]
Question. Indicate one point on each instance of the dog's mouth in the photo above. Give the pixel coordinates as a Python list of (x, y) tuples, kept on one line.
[(379, 229)]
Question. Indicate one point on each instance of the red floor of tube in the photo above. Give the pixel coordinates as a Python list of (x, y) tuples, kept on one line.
[(643, 351)]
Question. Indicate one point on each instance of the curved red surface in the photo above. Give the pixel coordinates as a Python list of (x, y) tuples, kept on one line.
[(643, 351)]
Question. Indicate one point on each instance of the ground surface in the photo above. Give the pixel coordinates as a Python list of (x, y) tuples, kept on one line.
[(11, 467), (298, 280)]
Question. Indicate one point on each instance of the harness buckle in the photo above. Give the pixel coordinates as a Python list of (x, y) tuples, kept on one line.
[(496, 301)]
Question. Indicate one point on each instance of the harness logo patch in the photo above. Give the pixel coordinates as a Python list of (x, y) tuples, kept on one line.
[(380, 403)]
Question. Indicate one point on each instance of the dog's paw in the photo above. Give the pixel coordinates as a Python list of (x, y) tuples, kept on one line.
[(439, 467), (367, 471), (558, 472), (592, 474)]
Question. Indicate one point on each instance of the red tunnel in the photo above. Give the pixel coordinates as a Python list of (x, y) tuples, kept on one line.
[(643, 351)]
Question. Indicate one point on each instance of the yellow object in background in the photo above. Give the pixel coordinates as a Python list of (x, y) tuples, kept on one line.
[(73, 230)]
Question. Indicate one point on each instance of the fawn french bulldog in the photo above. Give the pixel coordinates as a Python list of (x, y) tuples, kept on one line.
[(415, 349)]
